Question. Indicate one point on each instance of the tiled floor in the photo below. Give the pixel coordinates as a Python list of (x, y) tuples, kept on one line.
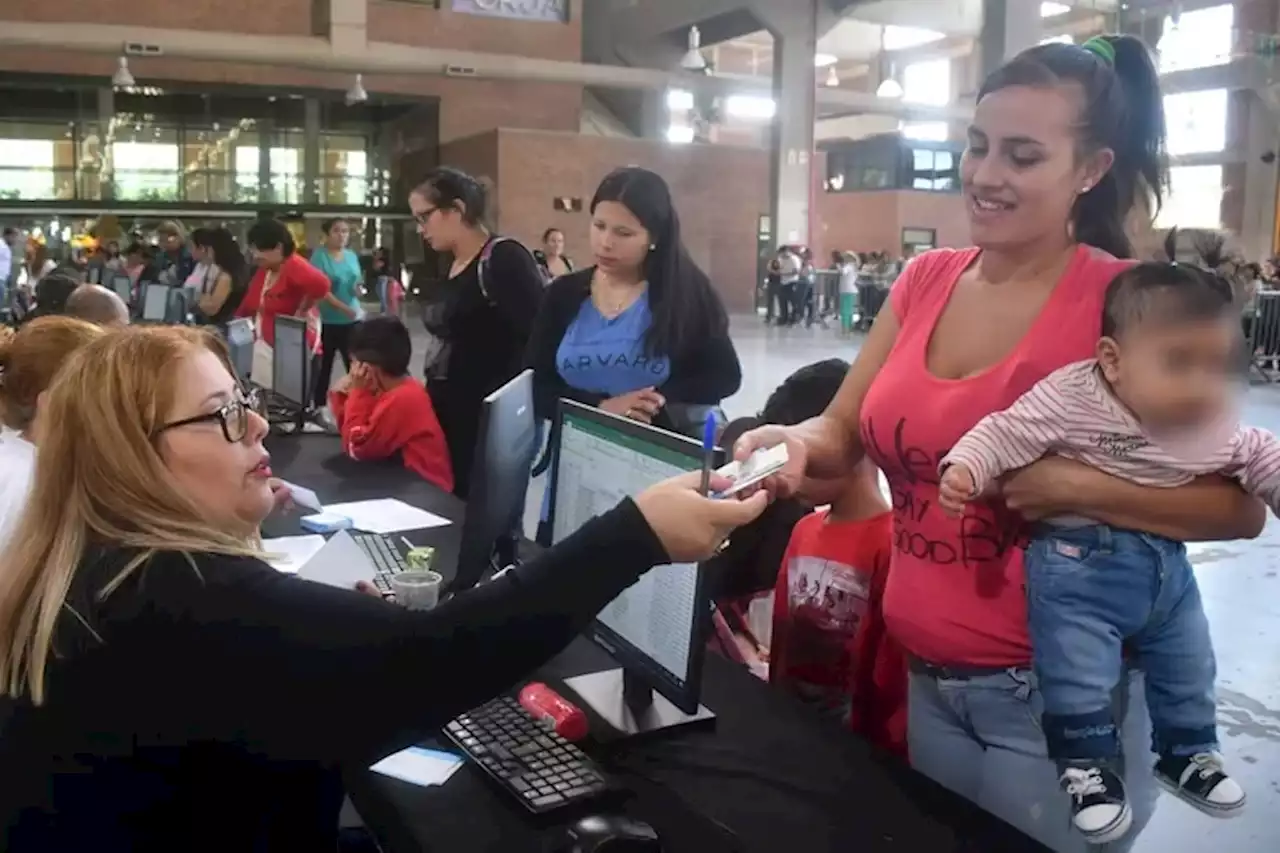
[(1240, 582)]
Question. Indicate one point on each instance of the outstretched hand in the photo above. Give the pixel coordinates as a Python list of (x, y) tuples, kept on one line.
[(955, 490), (691, 526)]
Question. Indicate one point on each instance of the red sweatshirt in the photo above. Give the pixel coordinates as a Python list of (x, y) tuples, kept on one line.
[(829, 642), (297, 284), (401, 420)]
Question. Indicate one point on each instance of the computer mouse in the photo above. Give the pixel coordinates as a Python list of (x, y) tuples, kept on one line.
[(612, 834)]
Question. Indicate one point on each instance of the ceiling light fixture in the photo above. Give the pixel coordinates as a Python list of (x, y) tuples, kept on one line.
[(822, 60), (356, 94), (693, 58), (889, 88), (123, 78)]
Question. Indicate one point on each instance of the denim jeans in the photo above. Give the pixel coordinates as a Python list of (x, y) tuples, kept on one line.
[(1093, 590), (981, 738)]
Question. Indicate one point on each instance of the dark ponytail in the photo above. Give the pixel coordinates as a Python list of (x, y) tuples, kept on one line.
[(1124, 111)]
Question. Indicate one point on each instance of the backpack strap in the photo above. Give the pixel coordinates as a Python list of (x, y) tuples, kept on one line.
[(482, 269)]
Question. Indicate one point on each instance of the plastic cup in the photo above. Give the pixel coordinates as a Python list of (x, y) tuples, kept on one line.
[(417, 590)]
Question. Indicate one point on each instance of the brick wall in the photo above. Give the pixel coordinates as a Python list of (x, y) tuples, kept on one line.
[(873, 221), (422, 26), (266, 17), (467, 107), (719, 193)]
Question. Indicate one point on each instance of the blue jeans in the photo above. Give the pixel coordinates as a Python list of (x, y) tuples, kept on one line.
[(981, 738), (1094, 591)]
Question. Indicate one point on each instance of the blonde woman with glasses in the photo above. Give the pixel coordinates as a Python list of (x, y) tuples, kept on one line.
[(170, 691)]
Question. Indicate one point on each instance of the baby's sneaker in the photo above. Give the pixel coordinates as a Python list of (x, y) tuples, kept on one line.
[(1200, 780), (1099, 809)]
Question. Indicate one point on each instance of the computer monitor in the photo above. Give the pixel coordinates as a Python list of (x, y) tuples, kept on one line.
[(289, 362), (505, 446), (155, 302), (123, 286), (656, 628), (240, 346)]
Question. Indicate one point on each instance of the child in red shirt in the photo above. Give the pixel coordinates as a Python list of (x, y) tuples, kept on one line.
[(829, 642), (381, 411)]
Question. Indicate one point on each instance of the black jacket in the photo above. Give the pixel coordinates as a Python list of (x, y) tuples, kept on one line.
[(217, 699), (704, 374)]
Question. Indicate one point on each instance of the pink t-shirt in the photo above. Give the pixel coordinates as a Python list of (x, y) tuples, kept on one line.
[(955, 593)]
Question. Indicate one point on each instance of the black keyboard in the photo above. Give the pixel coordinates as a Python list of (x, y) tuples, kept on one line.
[(385, 556), (541, 769)]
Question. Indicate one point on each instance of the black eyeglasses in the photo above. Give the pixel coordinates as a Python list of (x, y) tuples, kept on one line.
[(233, 417), (424, 217)]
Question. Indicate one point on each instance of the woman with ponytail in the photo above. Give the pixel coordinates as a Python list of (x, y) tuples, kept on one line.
[(1066, 144), (641, 333), (479, 319)]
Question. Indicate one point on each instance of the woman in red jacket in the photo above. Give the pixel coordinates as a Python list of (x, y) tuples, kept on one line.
[(284, 284)]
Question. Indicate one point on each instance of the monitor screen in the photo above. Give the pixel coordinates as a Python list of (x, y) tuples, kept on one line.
[(653, 626), (155, 302), (240, 343), (123, 286), (505, 449), (289, 361)]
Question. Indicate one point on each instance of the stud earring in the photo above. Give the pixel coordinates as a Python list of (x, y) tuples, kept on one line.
[(653, 247)]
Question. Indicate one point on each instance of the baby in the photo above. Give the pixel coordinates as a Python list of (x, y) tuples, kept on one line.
[(1154, 408)]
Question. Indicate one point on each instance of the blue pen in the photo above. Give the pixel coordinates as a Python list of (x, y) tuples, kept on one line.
[(708, 450)]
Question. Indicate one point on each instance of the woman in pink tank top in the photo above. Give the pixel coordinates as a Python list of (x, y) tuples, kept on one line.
[(1066, 141)]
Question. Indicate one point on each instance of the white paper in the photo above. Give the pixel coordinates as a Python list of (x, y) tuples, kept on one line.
[(303, 496), (386, 515), (341, 563), (419, 766), (289, 553)]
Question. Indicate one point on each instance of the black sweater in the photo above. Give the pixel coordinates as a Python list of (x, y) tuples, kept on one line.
[(223, 696), (705, 373)]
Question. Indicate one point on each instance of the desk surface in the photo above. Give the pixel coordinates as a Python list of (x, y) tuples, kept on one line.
[(769, 776)]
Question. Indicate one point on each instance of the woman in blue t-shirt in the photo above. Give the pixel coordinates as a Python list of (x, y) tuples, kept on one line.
[(642, 333), (341, 308)]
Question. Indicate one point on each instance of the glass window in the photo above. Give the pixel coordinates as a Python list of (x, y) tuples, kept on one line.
[(344, 169), (37, 160), (1194, 199), (1197, 38), (26, 168), (927, 82), (285, 166), (1197, 121), (927, 131), (145, 171)]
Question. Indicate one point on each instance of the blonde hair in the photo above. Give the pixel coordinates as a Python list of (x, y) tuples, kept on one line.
[(31, 357), (99, 481)]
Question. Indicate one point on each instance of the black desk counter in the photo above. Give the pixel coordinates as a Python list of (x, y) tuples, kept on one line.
[(769, 776)]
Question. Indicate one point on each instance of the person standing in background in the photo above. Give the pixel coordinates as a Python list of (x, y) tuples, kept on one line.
[(223, 287), (551, 256), (789, 265), (340, 308), (6, 265), (386, 283), (848, 268), (284, 284), (803, 309), (175, 260), (641, 334), (481, 321)]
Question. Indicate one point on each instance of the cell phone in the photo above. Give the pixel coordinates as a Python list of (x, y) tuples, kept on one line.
[(761, 464)]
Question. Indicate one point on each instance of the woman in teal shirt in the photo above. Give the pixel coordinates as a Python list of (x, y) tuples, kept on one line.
[(341, 308)]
